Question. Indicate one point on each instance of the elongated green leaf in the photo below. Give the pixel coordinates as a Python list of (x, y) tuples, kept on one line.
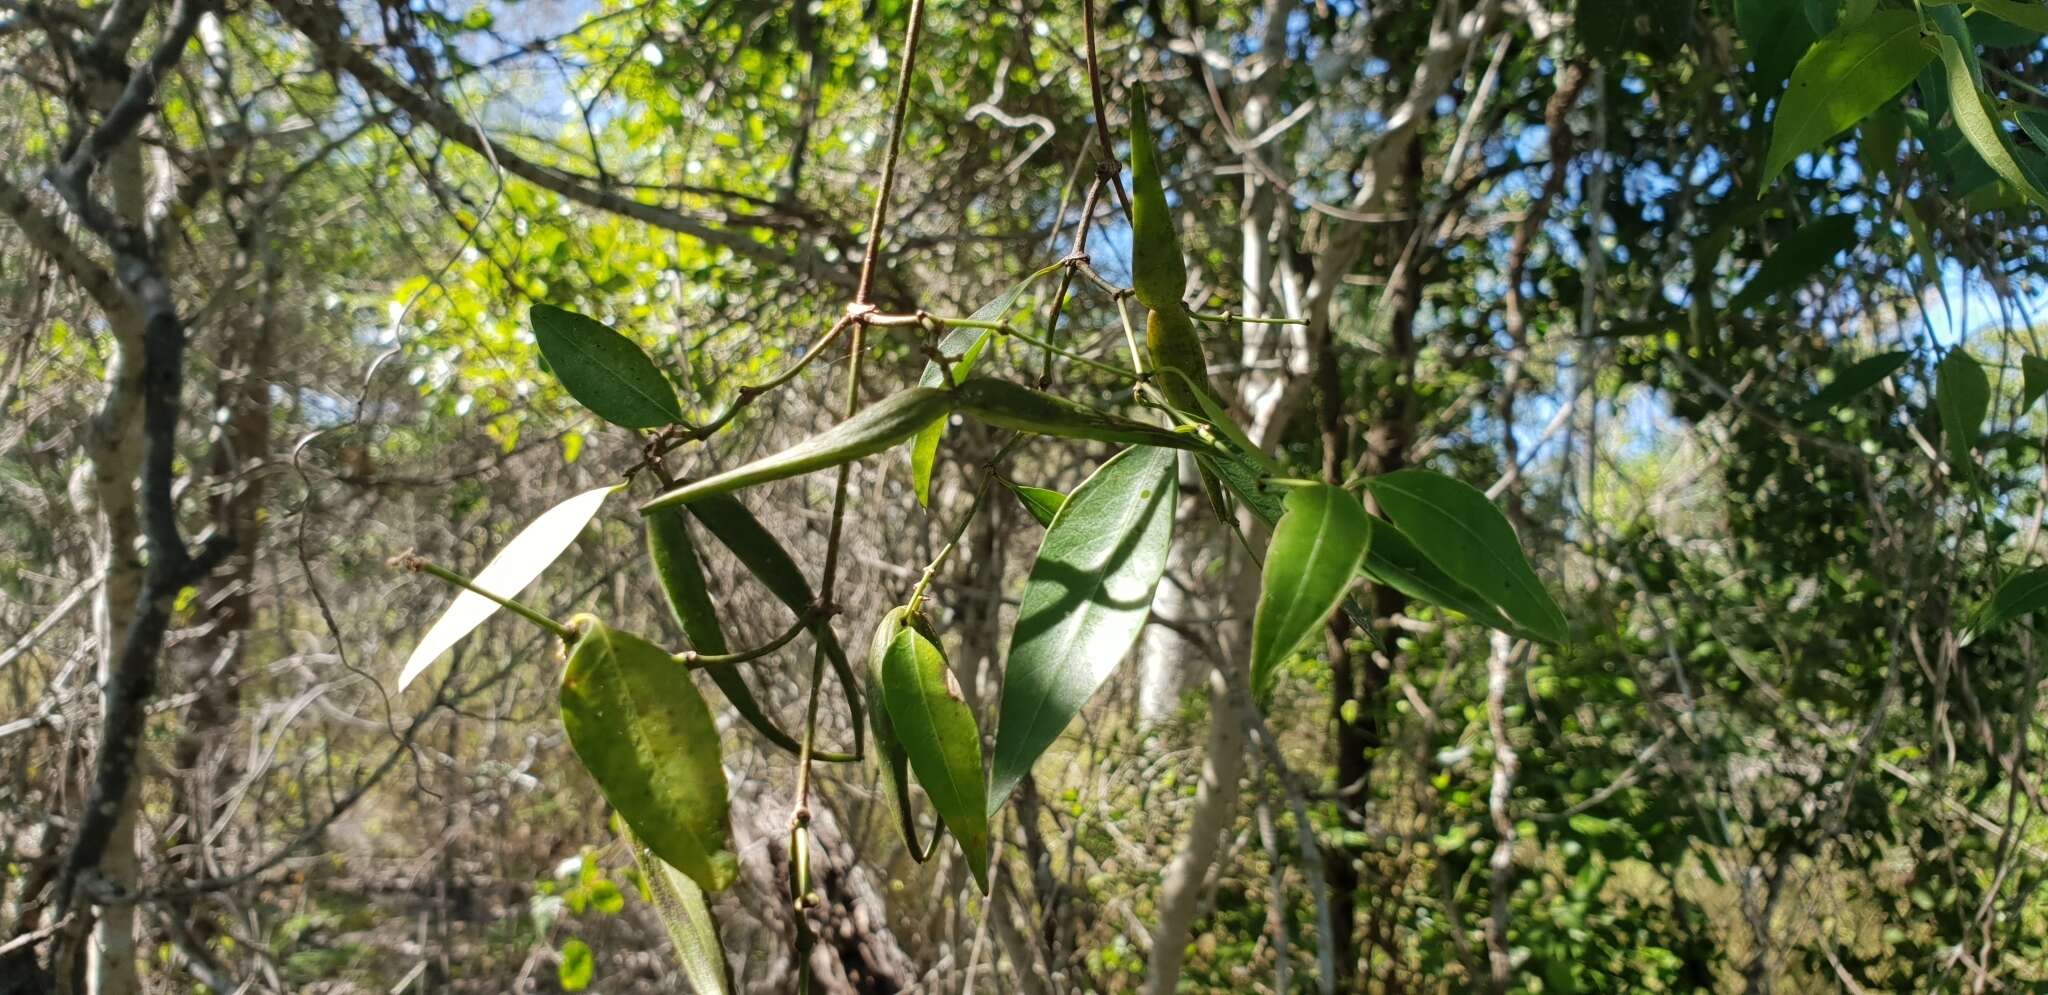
[(1962, 397), (1852, 71), (757, 549), (2021, 594), (1015, 406), (687, 916), (877, 427), (508, 573), (603, 370), (681, 575), (1088, 596), (1394, 560), (1459, 530), (647, 738), (1978, 125), (963, 348), (576, 966), (2029, 14), (1158, 273), (1811, 248), (886, 756), (938, 731), (1777, 33), (1043, 504), (1311, 562), (2033, 380), (1861, 376)]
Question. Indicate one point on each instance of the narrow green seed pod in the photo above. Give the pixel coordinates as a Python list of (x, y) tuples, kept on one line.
[(1171, 340), (1015, 406), (1158, 273)]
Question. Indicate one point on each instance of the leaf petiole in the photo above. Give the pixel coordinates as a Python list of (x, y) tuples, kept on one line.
[(420, 564)]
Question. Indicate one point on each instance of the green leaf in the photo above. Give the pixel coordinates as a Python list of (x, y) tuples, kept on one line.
[(887, 757), (687, 917), (517, 565), (757, 549), (1460, 531), (1088, 596), (1043, 504), (1159, 275), (1978, 125), (2023, 592), (2033, 380), (1394, 560), (681, 573), (576, 966), (877, 427), (1808, 250), (1311, 562), (647, 738), (603, 370), (1854, 70), (1962, 396), (1015, 406), (938, 731), (2029, 14), (963, 348), (1777, 33), (1859, 377)]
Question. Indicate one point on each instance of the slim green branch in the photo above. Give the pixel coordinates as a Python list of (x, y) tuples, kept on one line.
[(419, 564), (698, 661)]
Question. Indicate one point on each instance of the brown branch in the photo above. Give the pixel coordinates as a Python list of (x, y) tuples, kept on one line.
[(48, 236)]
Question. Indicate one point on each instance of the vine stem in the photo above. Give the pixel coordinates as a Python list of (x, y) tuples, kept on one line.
[(863, 293), (1110, 169)]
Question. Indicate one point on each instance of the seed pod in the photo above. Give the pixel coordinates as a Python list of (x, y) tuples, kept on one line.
[(877, 427), (1015, 406), (1170, 338)]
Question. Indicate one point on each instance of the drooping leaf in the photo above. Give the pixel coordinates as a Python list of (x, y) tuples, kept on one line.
[(576, 966), (1088, 595), (877, 427), (1042, 503), (645, 735), (1311, 562), (681, 575), (1962, 397), (1159, 275), (692, 929), (1983, 130), (603, 370), (1460, 531), (1014, 406), (1852, 71), (1859, 377), (963, 348), (938, 731), (757, 549), (2022, 593), (2033, 380), (1810, 249), (887, 756), (508, 573)]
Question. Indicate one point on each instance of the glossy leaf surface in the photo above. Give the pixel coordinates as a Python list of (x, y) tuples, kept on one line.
[(1042, 503), (885, 753), (517, 565), (1460, 531), (1851, 72), (603, 370), (645, 735), (939, 734), (1977, 123), (1312, 561), (1088, 595)]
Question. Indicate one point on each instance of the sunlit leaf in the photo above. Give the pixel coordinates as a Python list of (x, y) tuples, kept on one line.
[(1978, 124), (1853, 71), (687, 916), (875, 428), (508, 573), (938, 731), (645, 735), (603, 370), (1311, 562), (1015, 406), (963, 348), (1043, 504), (1459, 530), (2029, 14), (886, 755), (1088, 595), (576, 966), (1394, 560), (2022, 593), (1159, 275)]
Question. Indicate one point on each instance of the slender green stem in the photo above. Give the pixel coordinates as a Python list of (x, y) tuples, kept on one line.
[(924, 580), (1229, 317), (749, 392), (863, 294), (1123, 310), (698, 661), (419, 564), (1113, 370)]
